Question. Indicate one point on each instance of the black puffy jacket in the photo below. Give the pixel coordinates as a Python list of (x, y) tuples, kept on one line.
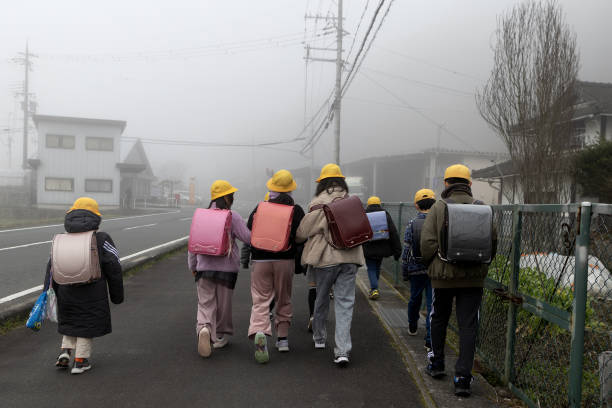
[(83, 309), (385, 247)]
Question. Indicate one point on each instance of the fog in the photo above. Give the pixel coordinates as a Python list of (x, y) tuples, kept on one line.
[(205, 72)]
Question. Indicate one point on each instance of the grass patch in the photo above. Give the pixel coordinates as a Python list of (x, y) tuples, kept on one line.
[(13, 323)]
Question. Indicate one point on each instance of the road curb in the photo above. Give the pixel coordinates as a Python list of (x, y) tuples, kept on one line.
[(22, 306)]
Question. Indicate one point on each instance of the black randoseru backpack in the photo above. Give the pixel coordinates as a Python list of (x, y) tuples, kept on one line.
[(416, 228)]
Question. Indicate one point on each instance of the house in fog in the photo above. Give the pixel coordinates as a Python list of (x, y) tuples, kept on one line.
[(76, 157), (592, 124), (136, 176)]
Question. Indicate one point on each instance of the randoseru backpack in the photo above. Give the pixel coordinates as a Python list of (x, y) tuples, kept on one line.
[(272, 227), (75, 258), (347, 222), (379, 225), (416, 228), (210, 232), (467, 235)]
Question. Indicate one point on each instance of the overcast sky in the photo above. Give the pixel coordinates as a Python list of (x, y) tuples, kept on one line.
[(200, 70)]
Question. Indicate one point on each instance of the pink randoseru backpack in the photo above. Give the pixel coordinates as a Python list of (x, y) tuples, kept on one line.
[(272, 227), (210, 232)]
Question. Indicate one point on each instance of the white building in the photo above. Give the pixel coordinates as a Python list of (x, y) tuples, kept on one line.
[(77, 157)]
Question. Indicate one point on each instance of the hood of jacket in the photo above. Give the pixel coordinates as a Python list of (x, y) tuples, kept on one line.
[(374, 208), (328, 196), (81, 221)]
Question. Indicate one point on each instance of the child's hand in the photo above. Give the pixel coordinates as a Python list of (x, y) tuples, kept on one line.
[(193, 273)]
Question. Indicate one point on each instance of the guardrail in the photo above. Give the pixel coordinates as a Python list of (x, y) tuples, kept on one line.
[(546, 316), (20, 304)]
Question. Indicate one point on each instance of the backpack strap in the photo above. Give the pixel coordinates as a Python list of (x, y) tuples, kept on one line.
[(316, 207)]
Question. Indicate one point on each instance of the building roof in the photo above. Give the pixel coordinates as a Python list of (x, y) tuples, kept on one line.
[(593, 98), (137, 160), (86, 121), (499, 170)]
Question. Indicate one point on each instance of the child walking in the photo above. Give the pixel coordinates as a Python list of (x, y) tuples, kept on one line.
[(330, 267), (216, 277), (413, 267), (272, 274), (83, 311)]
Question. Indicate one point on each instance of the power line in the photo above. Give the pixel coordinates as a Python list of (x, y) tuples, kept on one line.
[(365, 9), (409, 106), (354, 68), (431, 64), (363, 42), (402, 106), (422, 83)]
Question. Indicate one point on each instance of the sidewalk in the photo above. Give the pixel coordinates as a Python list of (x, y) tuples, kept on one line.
[(150, 359), (391, 309)]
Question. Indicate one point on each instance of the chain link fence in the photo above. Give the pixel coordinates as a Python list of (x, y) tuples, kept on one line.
[(546, 315)]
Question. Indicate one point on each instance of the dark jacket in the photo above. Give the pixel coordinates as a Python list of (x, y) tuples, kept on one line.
[(383, 248), (444, 274), (83, 309), (291, 253), (410, 264)]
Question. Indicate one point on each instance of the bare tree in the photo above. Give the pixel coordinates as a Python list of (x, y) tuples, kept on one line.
[(530, 96)]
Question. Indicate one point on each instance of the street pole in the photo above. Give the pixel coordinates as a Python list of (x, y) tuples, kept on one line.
[(26, 107), (338, 98)]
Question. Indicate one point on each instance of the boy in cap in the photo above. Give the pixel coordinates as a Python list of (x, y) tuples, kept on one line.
[(413, 267)]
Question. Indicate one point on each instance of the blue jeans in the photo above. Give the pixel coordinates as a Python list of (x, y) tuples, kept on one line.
[(373, 266), (418, 284)]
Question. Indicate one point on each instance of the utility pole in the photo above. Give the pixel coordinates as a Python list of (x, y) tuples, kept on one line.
[(338, 99), (25, 59), (339, 67)]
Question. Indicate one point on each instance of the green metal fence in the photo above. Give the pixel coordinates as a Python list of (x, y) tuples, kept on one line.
[(546, 316)]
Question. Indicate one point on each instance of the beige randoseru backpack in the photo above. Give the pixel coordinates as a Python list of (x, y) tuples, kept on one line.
[(74, 258)]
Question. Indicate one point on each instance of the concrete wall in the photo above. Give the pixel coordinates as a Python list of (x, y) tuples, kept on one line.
[(78, 163)]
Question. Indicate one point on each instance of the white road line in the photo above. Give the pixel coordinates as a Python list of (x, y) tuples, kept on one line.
[(20, 294), (25, 245), (139, 226), (103, 220), (185, 219), (125, 258)]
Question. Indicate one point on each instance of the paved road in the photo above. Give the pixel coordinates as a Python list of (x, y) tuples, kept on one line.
[(24, 251), (150, 360)]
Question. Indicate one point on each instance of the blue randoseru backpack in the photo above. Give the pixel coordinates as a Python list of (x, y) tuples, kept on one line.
[(378, 222)]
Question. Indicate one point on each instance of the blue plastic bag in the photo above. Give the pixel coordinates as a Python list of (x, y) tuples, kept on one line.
[(37, 315)]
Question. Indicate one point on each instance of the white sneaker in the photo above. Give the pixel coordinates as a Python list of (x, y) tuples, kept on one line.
[(319, 345), (282, 345), (204, 348), (220, 343), (342, 361)]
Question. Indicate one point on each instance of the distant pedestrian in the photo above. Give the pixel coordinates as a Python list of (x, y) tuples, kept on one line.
[(413, 268), (273, 268), (459, 280), (83, 311), (385, 243), (216, 276), (330, 267)]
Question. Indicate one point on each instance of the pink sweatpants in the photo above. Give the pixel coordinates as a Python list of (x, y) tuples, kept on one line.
[(214, 308), (271, 280)]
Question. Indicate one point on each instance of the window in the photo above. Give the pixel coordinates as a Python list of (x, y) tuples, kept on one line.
[(59, 184), (98, 186), (99, 143), (60, 141)]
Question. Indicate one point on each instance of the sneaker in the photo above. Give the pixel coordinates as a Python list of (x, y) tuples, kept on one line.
[(282, 345), (220, 343), (63, 360), (319, 345), (342, 361), (374, 294), (435, 371), (80, 365), (310, 324), (261, 348), (462, 385), (204, 348), (412, 329)]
